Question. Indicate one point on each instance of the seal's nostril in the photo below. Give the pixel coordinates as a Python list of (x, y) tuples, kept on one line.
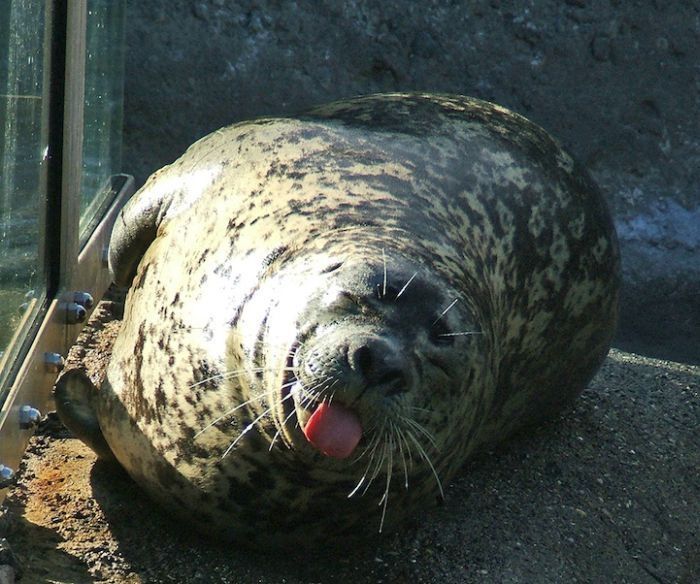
[(390, 377), (393, 382), (379, 367), (363, 361)]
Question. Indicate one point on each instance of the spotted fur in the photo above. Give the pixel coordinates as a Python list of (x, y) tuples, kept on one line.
[(279, 239)]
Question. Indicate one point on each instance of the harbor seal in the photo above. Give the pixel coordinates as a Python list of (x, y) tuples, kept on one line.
[(329, 313)]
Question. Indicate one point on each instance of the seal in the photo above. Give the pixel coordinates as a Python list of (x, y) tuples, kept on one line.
[(328, 314)]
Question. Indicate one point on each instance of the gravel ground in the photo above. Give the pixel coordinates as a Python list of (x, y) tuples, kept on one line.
[(609, 492)]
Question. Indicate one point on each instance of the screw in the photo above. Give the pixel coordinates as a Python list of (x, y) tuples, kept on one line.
[(75, 312), (29, 417), (7, 476), (84, 299), (53, 362)]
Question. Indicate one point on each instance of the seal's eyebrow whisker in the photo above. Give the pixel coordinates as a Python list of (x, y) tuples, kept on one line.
[(444, 312), (405, 286)]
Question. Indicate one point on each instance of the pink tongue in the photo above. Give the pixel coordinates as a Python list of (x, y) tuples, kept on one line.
[(334, 430)]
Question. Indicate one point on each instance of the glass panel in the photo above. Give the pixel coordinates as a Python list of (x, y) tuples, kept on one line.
[(22, 188), (104, 85)]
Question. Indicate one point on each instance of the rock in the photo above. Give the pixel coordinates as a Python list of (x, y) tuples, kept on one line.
[(615, 82)]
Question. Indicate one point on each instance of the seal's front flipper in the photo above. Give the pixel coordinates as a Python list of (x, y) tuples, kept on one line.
[(134, 230), (74, 393), (167, 193)]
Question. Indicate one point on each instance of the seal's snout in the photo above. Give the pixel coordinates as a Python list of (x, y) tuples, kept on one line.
[(379, 364)]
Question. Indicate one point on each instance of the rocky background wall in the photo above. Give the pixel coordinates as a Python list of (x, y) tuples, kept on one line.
[(617, 82)]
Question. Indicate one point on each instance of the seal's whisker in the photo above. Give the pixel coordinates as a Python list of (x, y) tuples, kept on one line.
[(444, 312), (399, 440), (242, 405), (367, 448), (328, 389), (236, 373), (460, 334), (384, 281), (416, 426), (247, 429), (386, 456), (308, 396), (378, 465), (389, 469), (405, 286), (373, 447), (229, 412), (358, 485), (372, 475), (417, 409), (289, 384), (221, 376), (187, 328), (284, 423), (424, 455), (272, 442)]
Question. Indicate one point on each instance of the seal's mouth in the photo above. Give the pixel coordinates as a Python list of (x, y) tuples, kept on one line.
[(334, 430), (331, 428)]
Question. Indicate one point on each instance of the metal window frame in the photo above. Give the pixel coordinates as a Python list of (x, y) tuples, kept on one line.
[(69, 268)]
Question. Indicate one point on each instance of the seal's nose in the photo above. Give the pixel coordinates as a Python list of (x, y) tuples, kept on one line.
[(379, 363)]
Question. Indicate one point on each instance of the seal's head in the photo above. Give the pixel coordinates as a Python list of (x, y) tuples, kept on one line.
[(368, 361)]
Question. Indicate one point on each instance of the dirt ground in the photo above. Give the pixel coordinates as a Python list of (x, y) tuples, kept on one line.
[(610, 492)]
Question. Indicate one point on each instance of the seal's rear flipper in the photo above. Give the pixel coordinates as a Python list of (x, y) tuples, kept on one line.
[(73, 393)]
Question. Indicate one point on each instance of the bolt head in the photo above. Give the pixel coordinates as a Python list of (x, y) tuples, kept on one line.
[(29, 417), (84, 299), (7, 476), (54, 362), (75, 313)]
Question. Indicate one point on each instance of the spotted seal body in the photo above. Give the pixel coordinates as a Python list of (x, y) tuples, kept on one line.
[(329, 314)]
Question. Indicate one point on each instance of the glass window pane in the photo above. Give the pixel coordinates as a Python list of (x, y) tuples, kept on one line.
[(104, 81), (22, 145)]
